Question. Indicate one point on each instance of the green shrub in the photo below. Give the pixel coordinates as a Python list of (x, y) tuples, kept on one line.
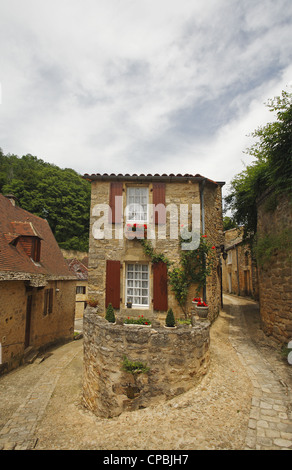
[(170, 320), (110, 314), (134, 367)]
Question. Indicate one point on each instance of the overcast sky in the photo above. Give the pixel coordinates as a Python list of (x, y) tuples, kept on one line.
[(141, 86)]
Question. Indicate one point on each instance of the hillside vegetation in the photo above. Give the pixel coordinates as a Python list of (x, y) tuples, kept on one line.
[(61, 196)]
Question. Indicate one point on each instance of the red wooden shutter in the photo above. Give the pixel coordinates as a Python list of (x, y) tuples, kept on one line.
[(112, 283), (116, 189), (160, 286), (159, 198)]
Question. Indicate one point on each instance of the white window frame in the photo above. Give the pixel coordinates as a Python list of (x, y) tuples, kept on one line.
[(137, 189), (130, 281)]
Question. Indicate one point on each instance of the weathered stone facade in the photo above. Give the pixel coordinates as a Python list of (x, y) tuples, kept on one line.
[(177, 360), (37, 289), (21, 329), (178, 191), (239, 271), (275, 275)]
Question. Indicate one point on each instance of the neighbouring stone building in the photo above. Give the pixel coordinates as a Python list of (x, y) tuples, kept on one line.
[(80, 270), (239, 271), (37, 289), (274, 229), (121, 273)]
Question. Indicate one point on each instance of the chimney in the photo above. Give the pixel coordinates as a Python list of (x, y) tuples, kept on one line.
[(12, 198)]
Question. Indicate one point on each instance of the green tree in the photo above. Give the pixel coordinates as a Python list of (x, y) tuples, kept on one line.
[(61, 196), (272, 167)]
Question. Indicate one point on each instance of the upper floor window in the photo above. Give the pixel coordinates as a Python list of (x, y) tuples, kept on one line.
[(137, 204)]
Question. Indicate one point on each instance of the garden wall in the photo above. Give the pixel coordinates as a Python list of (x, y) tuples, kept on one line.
[(177, 359), (275, 266)]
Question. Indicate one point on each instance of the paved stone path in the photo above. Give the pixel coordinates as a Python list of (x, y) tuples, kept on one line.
[(270, 423), (27, 392), (18, 432)]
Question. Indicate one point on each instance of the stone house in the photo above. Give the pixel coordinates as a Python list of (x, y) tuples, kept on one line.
[(120, 272), (37, 289), (239, 272), (80, 271)]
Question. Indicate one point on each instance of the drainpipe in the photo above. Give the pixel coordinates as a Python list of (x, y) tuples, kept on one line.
[(203, 222)]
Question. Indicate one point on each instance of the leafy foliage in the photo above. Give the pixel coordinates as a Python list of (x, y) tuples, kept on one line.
[(195, 266), (134, 367), (170, 320), (137, 321), (61, 196), (272, 167)]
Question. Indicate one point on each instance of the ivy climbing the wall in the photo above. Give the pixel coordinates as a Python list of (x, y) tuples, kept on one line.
[(193, 268)]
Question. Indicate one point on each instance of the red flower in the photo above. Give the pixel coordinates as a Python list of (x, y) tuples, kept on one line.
[(202, 304), (213, 247), (204, 236)]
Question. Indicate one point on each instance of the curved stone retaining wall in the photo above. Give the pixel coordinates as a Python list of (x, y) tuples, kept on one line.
[(176, 358)]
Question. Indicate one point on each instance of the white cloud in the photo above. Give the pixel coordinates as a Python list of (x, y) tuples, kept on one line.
[(148, 86)]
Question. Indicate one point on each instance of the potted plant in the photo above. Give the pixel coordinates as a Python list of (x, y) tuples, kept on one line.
[(92, 303), (110, 314), (170, 320), (196, 300), (202, 309)]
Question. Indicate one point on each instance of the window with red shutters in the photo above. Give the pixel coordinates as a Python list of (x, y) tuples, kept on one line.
[(113, 283), (160, 286), (159, 198), (116, 189)]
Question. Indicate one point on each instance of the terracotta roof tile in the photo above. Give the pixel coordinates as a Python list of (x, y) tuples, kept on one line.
[(15, 222), (156, 176)]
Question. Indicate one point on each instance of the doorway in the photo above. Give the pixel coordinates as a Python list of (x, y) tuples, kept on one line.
[(28, 321)]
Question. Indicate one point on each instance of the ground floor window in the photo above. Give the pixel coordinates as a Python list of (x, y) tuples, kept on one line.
[(137, 284)]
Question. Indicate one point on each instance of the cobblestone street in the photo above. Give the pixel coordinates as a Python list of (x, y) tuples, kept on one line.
[(244, 402)]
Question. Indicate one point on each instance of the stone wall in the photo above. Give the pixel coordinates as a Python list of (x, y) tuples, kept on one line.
[(177, 360), (275, 275)]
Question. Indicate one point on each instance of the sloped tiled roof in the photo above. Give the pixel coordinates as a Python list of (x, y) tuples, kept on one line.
[(164, 177), (78, 269), (15, 222)]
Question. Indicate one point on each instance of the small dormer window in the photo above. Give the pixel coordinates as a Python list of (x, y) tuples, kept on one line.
[(36, 249), (31, 246), (27, 237)]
